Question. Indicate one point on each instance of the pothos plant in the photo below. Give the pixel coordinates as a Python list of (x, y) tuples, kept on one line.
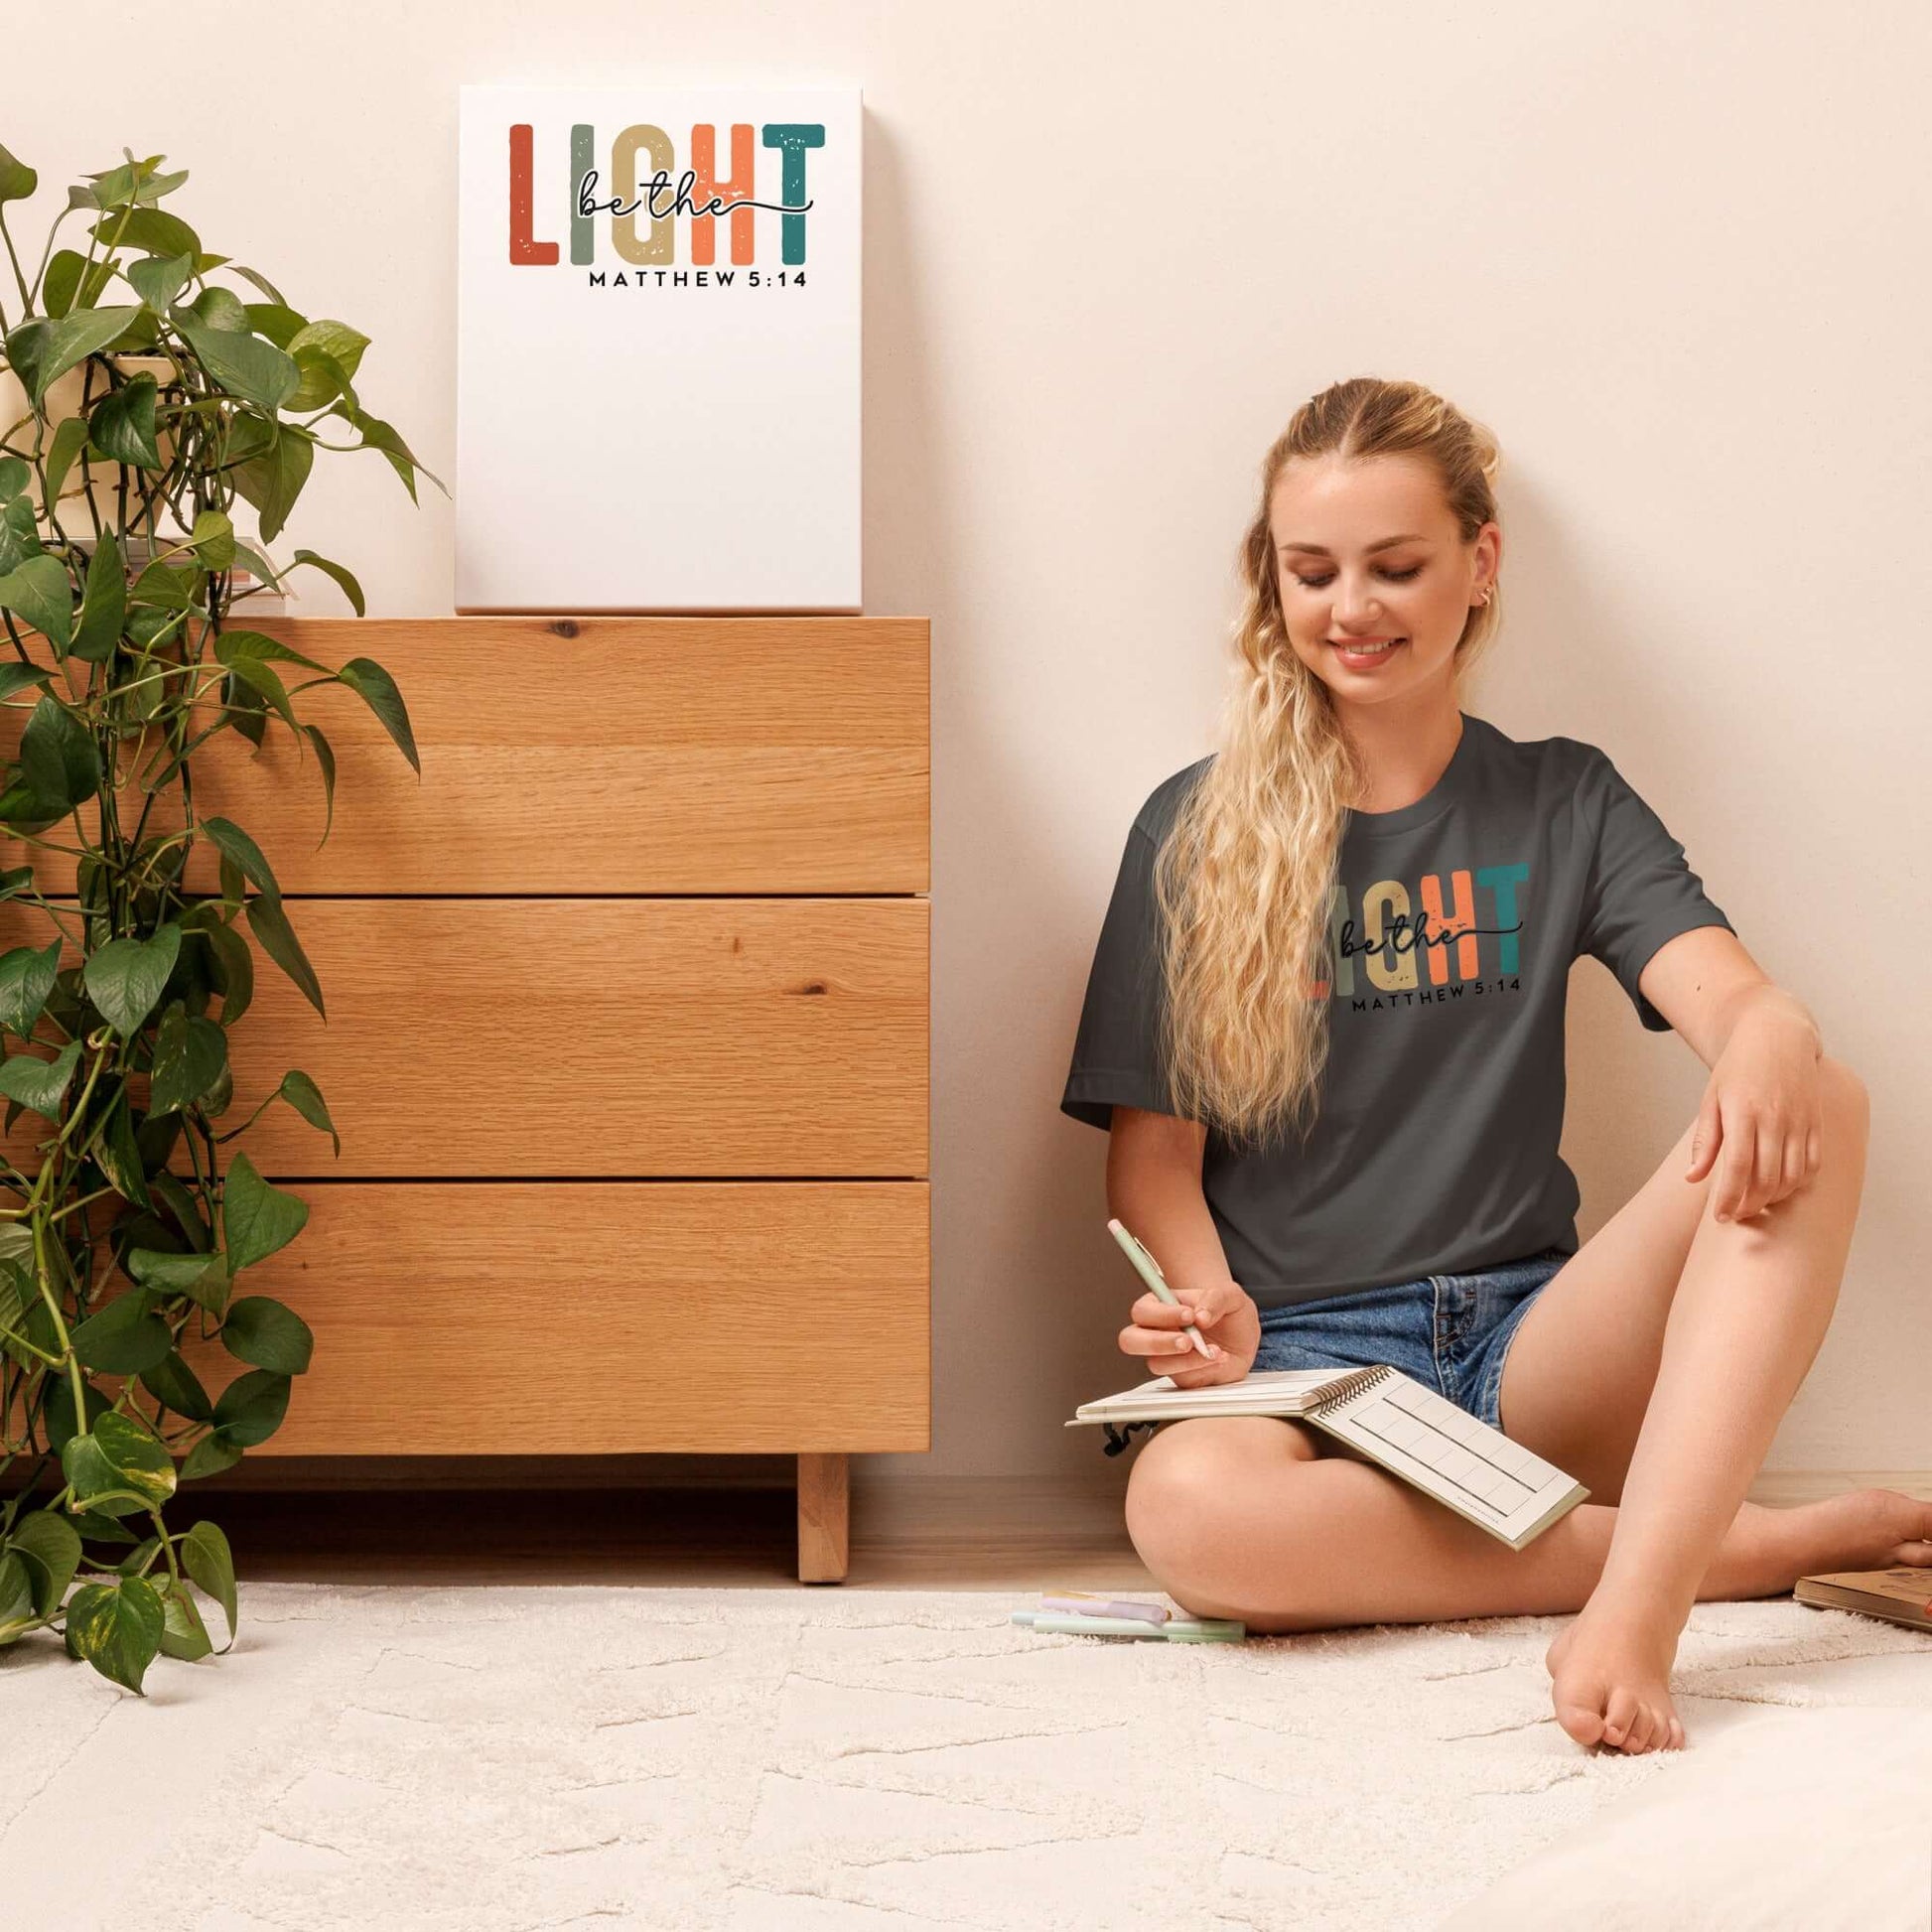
[(149, 397)]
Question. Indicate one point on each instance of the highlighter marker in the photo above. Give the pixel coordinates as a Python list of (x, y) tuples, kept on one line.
[(1176, 1629)]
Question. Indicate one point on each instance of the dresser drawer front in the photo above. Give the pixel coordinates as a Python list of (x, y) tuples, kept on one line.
[(499, 1319), (511, 1037), (633, 754)]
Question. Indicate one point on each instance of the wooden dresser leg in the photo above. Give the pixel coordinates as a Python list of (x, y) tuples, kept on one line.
[(823, 1494)]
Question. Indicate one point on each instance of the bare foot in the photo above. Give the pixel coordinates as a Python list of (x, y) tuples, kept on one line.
[(1609, 1670), (1610, 1665), (1864, 1529)]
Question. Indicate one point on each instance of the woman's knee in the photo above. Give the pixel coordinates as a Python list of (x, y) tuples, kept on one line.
[(1846, 1096), (1188, 1471)]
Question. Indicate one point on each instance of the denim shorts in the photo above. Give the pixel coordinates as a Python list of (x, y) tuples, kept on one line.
[(1449, 1333)]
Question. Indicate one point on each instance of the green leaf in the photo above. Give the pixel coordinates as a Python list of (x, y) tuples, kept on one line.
[(349, 587), (256, 1219), (20, 531), (259, 677), (184, 1635), (14, 477), (58, 1415), (323, 380), (68, 439), (326, 759), (377, 689), (275, 320), (305, 1098), (204, 1279), (39, 591), (208, 1561), (267, 287), (265, 571), (18, 1613), (265, 1334), (51, 1548), (121, 427), (189, 1057), (158, 279), (26, 983), (379, 435), (125, 977), (123, 1338), (250, 1409), (222, 308), (258, 644), (104, 604), (171, 1382), (37, 1084), (58, 756), (117, 1454), (234, 970), (96, 1526), (43, 351), (216, 1452), (337, 339), (270, 925), (71, 284), (117, 1628), (17, 180), (272, 479), (168, 585), (235, 844), (150, 231), (212, 539), (244, 365), (118, 1154)]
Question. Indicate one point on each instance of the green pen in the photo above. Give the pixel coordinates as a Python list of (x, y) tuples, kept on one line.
[(1150, 1271)]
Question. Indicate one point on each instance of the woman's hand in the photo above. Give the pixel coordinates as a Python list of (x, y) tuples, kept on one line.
[(1761, 1117), (1229, 1323)]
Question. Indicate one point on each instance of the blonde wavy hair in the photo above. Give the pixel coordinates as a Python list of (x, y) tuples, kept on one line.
[(1245, 876)]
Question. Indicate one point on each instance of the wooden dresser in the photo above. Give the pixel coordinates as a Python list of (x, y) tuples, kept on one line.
[(626, 1041)]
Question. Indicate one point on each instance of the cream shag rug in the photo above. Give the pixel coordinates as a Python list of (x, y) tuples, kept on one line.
[(816, 1761)]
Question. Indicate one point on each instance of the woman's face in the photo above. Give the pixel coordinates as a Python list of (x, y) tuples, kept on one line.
[(1342, 579)]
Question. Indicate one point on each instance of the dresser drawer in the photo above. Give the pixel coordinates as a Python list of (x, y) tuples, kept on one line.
[(511, 1037), (496, 1318), (588, 755)]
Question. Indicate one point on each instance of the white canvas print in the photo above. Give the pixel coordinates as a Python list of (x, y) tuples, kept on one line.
[(658, 353)]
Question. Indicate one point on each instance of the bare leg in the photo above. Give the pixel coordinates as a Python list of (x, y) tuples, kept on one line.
[(1239, 1516), (1747, 1316)]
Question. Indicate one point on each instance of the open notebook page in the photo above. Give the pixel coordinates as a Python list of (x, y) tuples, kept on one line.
[(1473, 1468)]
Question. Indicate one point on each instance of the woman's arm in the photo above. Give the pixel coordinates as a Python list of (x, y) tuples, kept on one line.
[(1153, 1165), (1154, 1186)]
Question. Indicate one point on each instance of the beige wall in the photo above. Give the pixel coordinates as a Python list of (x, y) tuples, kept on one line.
[(1676, 258)]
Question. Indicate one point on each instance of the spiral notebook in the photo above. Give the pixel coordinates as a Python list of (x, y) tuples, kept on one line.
[(1391, 1418)]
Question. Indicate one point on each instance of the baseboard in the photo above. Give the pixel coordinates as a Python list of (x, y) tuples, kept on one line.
[(907, 1507)]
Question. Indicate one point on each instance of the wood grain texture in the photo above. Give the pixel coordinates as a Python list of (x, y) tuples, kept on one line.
[(519, 1318), (824, 1518), (513, 1038), (588, 755)]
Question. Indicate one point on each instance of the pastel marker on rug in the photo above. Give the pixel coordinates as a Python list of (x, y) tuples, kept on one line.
[(1079, 1602), (1149, 1271), (1176, 1629)]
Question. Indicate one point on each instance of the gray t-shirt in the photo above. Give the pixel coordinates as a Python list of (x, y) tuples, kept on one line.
[(1434, 1146)]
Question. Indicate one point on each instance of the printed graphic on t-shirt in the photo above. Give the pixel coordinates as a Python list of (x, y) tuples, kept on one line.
[(1467, 936)]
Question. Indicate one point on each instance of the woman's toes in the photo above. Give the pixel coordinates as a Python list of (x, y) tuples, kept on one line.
[(1618, 1714), (1676, 1734), (1582, 1723)]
